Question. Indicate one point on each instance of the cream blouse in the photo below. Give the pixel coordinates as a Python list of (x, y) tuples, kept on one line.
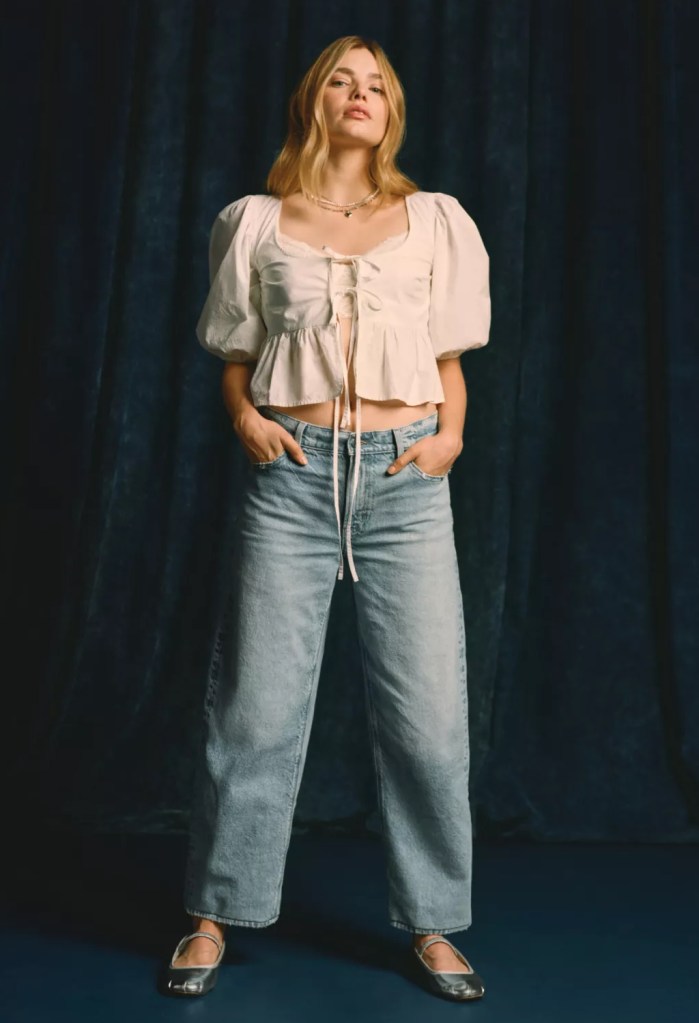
[(414, 299)]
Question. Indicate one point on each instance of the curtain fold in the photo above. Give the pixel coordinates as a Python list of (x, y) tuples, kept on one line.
[(568, 132)]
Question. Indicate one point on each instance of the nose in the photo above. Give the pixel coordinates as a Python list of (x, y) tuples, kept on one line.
[(359, 93)]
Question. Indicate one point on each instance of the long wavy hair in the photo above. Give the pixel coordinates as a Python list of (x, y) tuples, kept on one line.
[(300, 162)]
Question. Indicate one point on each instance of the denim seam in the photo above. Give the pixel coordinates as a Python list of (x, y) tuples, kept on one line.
[(272, 461), (376, 746), (209, 696), (428, 930), (378, 763), (463, 672), (205, 914), (299, 739), (426, 475)]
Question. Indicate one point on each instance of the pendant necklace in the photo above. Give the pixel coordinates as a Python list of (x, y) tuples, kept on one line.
[(347, 208)]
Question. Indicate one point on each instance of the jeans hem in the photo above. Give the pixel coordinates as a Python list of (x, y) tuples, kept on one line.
[(231, 920), (428, 930)]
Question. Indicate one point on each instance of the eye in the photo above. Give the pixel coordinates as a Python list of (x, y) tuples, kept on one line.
[(377, 88), (337, 81)]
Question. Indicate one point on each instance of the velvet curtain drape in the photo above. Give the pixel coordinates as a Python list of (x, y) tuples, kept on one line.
[(568, 131)]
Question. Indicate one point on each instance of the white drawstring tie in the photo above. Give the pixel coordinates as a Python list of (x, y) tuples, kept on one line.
[(336, 486), (375, 301)]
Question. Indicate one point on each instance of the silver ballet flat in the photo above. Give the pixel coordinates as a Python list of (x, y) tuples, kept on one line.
[(458, 986), (193, 980)]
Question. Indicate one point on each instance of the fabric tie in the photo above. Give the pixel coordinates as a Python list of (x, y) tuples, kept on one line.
[(356, 291)]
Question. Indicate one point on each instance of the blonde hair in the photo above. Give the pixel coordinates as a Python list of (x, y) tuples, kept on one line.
[(300, 162)]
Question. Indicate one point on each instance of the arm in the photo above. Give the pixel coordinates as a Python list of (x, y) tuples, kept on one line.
[(254, 431), (235, 386), (452, 411), (446, 445)]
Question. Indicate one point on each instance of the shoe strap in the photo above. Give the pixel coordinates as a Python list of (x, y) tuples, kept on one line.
[(202, 934), (431, 941)]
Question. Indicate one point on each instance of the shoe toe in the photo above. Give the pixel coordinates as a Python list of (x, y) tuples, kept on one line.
[(191, 980), (459, 985), (186, 986), (470, 987)]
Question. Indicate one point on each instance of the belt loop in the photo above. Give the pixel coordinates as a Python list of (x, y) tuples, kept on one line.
[(399, 440), (299, 429)]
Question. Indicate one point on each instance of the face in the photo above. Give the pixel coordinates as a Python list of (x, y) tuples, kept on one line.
[(354, 101)]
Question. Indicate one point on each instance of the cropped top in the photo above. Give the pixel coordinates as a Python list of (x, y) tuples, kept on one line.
[(414, 299)]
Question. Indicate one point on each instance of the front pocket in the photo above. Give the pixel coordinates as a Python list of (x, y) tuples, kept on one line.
[(425, 475), (274, 461)]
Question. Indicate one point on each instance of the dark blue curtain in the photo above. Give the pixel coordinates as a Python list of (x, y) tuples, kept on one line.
[(568, 131)]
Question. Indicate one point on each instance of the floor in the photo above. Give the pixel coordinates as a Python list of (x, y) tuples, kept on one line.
[(562, 933)]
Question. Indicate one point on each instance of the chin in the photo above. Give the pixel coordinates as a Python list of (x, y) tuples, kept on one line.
[(366, 138)]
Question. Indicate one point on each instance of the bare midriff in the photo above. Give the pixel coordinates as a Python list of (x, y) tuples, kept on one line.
[(376, 415)]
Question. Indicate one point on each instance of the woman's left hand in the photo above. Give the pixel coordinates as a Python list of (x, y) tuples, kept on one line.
[(436, 452)]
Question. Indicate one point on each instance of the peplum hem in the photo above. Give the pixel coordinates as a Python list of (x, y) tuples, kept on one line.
[(305, 366)]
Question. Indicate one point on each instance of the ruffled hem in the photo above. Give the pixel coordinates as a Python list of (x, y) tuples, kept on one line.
[(298, 367), (305, 366)]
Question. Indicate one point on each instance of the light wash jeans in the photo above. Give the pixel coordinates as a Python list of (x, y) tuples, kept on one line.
[(266, 665)]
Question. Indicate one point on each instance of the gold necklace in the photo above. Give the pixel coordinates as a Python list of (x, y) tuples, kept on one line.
[(347, 208)]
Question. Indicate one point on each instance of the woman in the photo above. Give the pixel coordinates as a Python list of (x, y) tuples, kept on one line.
[(344, 281)]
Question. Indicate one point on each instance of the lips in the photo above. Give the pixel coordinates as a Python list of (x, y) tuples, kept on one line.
[(358, 112)]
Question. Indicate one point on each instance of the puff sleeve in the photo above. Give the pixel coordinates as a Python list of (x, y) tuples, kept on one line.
[(460, 293), (231, 324)]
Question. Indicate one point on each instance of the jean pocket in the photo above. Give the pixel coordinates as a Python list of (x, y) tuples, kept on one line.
[(274, 461), (425, 475)]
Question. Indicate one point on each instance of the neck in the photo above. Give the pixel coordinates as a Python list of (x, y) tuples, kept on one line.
[(345, 177)]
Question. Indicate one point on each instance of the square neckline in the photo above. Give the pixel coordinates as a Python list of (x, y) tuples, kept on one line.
[(332, 253)]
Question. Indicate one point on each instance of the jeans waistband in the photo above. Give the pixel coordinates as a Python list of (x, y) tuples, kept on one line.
[(372, 440), (352, 442)]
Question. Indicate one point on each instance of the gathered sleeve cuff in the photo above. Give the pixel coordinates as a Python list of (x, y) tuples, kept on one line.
[(460, 291), (231, 325)]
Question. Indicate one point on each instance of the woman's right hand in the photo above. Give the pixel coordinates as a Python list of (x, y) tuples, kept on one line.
[(264, 440)]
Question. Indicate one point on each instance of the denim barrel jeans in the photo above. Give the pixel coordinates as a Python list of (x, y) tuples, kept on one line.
[(265, 670)]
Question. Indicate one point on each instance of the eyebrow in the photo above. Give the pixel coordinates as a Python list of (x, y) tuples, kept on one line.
[(349, 71)]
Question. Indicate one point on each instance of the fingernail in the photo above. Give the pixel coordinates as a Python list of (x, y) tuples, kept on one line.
[(304, 461), (391, 468)]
